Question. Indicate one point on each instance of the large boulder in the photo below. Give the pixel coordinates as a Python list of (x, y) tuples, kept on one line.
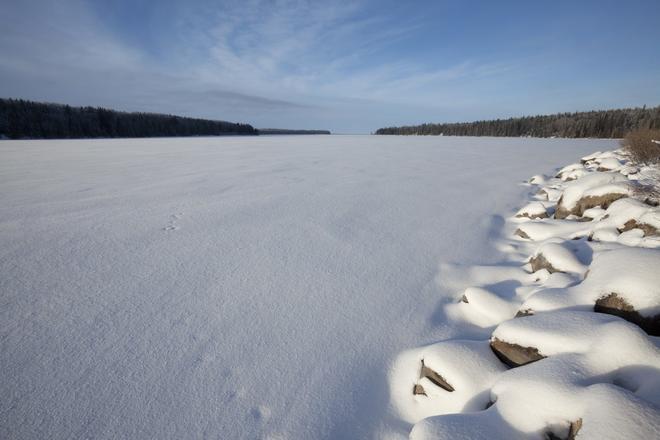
[(614, 304)]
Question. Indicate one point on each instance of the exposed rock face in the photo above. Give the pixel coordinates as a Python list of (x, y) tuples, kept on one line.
[(634, 224), (613, 304), (561, 211), (539, 262), (533, 216), (572, 432), (520, 233), (523, 313), (592, 201), (434, 377), (586, 203), (419, 390), (514, 355)]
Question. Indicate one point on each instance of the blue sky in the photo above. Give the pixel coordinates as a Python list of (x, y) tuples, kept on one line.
[(348, 66)]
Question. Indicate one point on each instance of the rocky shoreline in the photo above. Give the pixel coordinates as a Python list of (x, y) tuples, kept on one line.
[(573, 318)]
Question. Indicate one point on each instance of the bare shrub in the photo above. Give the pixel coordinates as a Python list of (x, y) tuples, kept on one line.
[(643, 146)]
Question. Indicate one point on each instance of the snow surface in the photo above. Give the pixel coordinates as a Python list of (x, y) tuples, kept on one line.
[(244, 287)]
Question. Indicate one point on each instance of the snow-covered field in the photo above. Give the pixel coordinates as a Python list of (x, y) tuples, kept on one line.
[(239, 287)]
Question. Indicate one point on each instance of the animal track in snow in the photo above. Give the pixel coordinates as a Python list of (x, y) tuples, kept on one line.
[(261, 412), (172, 225)]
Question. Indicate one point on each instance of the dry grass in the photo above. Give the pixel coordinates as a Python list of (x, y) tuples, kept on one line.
[(640, 146)]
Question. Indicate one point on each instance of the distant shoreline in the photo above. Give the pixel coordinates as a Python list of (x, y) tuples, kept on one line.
[(29, 120), (598, 124)]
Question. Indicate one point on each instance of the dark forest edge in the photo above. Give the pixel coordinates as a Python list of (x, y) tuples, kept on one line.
[(593, 124), (23, 119)]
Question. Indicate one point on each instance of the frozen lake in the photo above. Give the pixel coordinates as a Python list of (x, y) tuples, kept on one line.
[(235, 287)]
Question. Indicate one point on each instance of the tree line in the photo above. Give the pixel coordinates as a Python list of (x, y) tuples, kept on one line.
[(592, 124), (21, 119)]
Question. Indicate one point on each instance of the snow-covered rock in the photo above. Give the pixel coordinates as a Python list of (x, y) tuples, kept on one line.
[(609, 164), (538, 179), (485, 308), (469, 367), (533, 210), (549, 228), (571, 172), (626, 283), (553, 333), (591, 157), (549, 193), (554, 257)]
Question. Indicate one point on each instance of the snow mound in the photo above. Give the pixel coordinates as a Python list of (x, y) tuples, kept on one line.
[(539, 179), (483, 425), (609, 164), (484, 308), (533, 210), (419, 379)]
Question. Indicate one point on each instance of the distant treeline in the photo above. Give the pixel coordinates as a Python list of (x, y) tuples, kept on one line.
[(20, 119), (593, 124), (287, 131)]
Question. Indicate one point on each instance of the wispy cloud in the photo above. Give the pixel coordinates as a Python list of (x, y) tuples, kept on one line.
[(319, 50)]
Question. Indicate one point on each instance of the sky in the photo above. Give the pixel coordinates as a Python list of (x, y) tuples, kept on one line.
[(346, 66)]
